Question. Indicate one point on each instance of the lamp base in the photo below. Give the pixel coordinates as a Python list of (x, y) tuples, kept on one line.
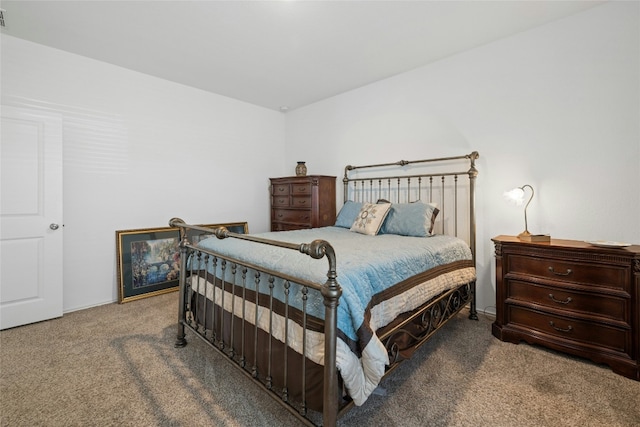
[(525, 236)]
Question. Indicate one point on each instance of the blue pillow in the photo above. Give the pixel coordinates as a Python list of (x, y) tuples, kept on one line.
[(348, 214), (410, 219)]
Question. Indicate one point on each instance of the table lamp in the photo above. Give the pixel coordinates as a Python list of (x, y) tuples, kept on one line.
[(517, 196)]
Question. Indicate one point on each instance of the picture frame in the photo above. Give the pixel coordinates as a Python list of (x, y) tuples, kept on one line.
[(149, 258)]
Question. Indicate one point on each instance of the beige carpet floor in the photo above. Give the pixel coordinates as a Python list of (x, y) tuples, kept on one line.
[(115, 365)]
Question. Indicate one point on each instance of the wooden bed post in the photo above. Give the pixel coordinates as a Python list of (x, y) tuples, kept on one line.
[(180, 339)]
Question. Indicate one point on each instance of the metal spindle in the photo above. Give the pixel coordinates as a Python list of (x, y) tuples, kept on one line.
[(199, 257), (303, 408), (202, 266), (430, 189), (254, 369), (232, 348), (222, 292), (455, 204), (243, 360), (285, 390), (442, 203), (214, 332), (270, 353)]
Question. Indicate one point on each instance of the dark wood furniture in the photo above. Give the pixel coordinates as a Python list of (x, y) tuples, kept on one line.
[(303, 202), (572, 297)]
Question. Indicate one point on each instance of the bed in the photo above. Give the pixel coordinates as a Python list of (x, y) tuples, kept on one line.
[(317, 317)]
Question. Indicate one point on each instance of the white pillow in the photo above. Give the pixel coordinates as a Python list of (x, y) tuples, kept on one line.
[(370, 218)]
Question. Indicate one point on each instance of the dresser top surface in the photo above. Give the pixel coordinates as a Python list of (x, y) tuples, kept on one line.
[(303, 177), (567, 244)]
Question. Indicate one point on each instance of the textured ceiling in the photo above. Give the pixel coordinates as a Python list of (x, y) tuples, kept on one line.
[(275, 53)]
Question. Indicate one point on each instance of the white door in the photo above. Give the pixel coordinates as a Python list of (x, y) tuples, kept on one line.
[(31, 217)]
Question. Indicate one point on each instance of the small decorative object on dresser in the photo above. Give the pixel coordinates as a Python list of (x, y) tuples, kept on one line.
[(303, 202), (571, 296), (301, 169)]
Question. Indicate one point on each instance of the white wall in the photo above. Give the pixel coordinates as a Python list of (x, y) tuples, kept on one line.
[(557, 107), (129, 141)]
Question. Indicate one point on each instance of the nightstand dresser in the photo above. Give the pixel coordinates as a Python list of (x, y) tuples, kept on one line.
[(303, 202), (572, 297)]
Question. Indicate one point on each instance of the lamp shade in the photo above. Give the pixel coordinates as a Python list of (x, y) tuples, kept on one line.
[(515, 195)]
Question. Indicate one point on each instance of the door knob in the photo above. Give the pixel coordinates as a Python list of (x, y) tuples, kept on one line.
[(54, 226)]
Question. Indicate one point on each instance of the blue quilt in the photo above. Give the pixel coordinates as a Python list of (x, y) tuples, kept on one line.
[(366, 265)]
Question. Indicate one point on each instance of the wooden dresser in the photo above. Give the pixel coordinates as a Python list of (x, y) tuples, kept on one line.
[(303, 202), (572, 297)]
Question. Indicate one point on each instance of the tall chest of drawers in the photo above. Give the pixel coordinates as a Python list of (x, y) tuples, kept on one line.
[(572, 297), (303, 202)]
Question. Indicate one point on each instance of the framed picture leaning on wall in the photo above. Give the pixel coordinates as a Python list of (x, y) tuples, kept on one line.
[(149, 259)]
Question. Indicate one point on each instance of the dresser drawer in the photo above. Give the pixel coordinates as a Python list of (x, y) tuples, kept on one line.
[(295, 216), (301, 202), (569, 299), (578, 331), (280, 189), (302, 188), (610, 276), (280, 201)]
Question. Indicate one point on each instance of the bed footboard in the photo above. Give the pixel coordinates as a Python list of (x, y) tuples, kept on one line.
[(226, 316)]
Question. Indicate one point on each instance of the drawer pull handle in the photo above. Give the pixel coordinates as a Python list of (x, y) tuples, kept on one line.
[(567, 301), (569, 328), (569, 271)]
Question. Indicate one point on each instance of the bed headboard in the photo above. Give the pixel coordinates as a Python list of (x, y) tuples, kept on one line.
[(448, 182)]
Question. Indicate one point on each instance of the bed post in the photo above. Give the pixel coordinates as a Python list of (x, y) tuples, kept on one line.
[(180, 339), (345, 182), (331, 291), (473, 173)]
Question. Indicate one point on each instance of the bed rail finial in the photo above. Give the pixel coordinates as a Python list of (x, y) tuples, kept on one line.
[(179, 223), (176, 222), (473, 172), (221, 232), (346, 172)]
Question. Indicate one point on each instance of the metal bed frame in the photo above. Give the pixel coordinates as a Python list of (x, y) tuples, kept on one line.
[(430, 316)]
